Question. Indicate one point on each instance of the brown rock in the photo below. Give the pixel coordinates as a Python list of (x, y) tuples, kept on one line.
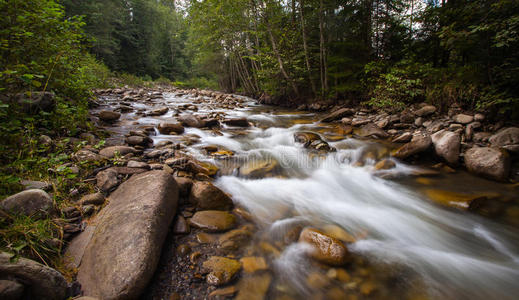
[(180, 226), (184, 185), (190, 121), (447, 145), (223, 292), (168, 128), (327, 249), (338, 114), (463, 119), (96, 199), (489, 162), (254, 287), (419, 143), (36, 203), (213, 220), (403, 138), (41, 282), (10, 290), (107, 180), (221, 269), (123, 252), (425, 111), (385, 164), (120, 150), (238, 122), (507, 138), (252, 264), (234, 239), (204, 195), (372, 130), (109, 116)]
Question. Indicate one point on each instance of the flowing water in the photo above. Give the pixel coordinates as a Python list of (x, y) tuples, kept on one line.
[(404, 244)]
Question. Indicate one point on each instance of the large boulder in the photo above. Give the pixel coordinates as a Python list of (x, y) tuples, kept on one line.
[(419, 143), (447, 145), (204, 195), (40, 282), (325, 248), (493, 163), (36, 203), (507, 138), (338, 114), (121, 256)]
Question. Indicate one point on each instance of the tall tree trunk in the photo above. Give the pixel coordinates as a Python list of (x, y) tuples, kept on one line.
[(322, 52), (305, 47), (278, 56)]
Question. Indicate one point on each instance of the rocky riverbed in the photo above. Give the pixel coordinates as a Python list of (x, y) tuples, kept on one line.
[(208, 195)]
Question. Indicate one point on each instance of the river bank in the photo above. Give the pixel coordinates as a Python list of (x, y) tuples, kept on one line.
[(250, 181)]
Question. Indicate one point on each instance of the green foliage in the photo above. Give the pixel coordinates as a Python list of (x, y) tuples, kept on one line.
[(396, 88), (28, 237)]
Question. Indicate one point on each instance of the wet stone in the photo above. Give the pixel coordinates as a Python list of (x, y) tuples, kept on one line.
[(221, 269), (213, 220), (326, 249), (180, 226), (252, 264)]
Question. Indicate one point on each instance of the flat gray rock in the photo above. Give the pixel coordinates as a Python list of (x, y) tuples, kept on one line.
[(122, 254)]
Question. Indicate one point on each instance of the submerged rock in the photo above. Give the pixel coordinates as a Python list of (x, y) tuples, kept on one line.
[(213, 220), (458, 200), (257, 168), (238, 122), (121, 256), (40, 282), (489, 162), (252, 264), (326, 249), (254, 287), (221, 269)]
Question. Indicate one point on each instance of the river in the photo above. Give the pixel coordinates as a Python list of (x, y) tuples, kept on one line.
[(404, 244)]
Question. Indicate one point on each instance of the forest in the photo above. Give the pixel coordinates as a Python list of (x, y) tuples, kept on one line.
[(383, 53)]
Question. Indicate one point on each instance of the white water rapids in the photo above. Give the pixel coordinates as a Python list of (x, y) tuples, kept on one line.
[(458, 255)]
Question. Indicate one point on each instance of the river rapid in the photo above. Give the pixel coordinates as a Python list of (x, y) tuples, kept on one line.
[(404, 242)]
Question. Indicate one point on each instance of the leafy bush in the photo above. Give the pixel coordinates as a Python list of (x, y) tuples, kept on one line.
[(396, 88)]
